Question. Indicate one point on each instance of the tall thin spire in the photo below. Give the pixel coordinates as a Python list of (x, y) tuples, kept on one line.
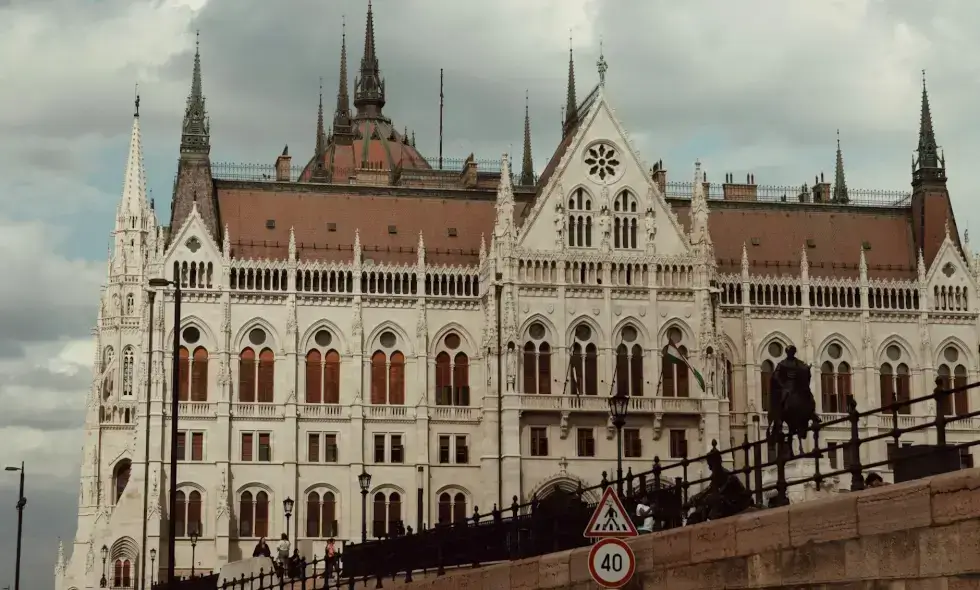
[(341, 117), (195, 135), (369, 87), (928, 152), (134, 200), (527, 166), (840, 184), (321, 140), (571, 104)]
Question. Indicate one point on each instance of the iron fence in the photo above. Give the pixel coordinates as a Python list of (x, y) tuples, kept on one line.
[(791, 194), (556, 523)]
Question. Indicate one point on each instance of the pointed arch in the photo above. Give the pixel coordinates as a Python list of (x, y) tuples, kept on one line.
[(769, 338), (600, 335), (469, 344), (674, 322), (636, 323), (550, 329), (839, 338), (730, 349), (124, 548), (900, 342), (565, 482), (241, 338), (405, 344), (588, 192), (341, 343), (208, 339), (937, 354)]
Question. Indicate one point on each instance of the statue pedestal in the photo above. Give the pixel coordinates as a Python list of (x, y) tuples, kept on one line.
[(799, 469)]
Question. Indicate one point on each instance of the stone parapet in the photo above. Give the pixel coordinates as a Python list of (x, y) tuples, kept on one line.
[(923, 534)]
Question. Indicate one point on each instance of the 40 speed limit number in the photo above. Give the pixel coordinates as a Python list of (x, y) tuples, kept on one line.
[(611, 563)]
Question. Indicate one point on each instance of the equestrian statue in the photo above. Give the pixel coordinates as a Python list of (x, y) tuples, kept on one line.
[(791, 402)]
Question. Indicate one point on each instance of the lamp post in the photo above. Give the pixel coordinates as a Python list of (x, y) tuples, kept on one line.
[(174, 414), (105, 553), (619, 407), (364, 480), (153, 562), (151, 297), (420, 497), (287, 508), (21, 503), (195, 535)]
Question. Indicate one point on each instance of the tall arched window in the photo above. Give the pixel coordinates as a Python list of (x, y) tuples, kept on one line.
[(193, 384), (321, 514), (894, 381), (952, 374), (199, 375), (128, 362), (452, 373), (189, 508), (624, 224), (256, 373), (387, 514), (130, 304), (120, 478), (537, 360), (629, 363), (771, 356), (583, 375), (388, 372), (122, 576), (184, 372), (323, 370), (835, 380), (676, 376), (580, 219), (452, 508), (246, 375), (253, 514)]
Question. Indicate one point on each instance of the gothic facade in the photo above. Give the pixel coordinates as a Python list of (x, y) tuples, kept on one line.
[(456, 334)]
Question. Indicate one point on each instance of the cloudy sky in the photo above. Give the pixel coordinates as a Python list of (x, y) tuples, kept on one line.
[(750, 86)]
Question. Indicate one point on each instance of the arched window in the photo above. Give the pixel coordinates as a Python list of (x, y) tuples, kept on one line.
[(130, 304), (246, 375), (952, 374), (894, 379), (189, 508), (452, 373), (624, 224), (122, 576), (128, 362), (253, 515), (773, 353), (321, 515), (199, 375), (580, 219), (452, 508), (120, 478), (583, 375), (388, 372), (536, 360), (629, 363), (676, 376), (256, 379), (729, 380), (323, 370), (387, 514), (835, 380)]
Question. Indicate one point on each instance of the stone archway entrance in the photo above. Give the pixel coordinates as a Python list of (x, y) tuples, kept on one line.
[(559, 518)]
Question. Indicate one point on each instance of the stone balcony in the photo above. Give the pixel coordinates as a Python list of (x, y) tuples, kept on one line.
[(600, 404)]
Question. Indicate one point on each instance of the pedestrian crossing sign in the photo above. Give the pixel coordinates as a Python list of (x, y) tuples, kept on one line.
[(610, 519)]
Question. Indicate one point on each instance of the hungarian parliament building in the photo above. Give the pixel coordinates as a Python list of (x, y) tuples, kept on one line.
[(454, 328)]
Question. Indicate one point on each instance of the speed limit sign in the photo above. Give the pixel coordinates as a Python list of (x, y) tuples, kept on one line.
[(611, 563)]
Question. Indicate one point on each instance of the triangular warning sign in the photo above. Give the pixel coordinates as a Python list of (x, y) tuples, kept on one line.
[(610, 518)]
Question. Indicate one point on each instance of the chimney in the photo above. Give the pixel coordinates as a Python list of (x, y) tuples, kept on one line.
[(468, 178), (283, 165), (659, 176), (821, 190), (733, 191)]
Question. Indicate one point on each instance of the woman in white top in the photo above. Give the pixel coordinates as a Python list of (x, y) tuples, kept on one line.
[(282, 549), (646, 513)]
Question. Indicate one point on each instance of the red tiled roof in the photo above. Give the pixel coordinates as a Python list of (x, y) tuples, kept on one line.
[(378, 145)]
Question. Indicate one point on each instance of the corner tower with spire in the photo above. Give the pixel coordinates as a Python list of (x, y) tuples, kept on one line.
[(369, 86)]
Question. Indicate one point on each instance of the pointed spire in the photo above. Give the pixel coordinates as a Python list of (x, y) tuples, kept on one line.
[(745, 261), (319, 170), (369, 87), (921, 267), (420, 251), (226, 244), (483, 248), (134, 199), (59, 565), (602, 66), (927, 150), (341, 116), (357, 247), (699, 209), (195, 137), (804, 264), (292, 244), (527, 166), (863, 266), (571, 104), (840, 184)]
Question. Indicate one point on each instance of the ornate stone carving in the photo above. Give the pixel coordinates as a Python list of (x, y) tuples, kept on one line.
[(563, 425), (658, 425), (222, 504), (90, 557), (422, 325), (356, 323), (650, 225), (511, 367), (701, 426), (291, 322), (610, 429), (561, 222)]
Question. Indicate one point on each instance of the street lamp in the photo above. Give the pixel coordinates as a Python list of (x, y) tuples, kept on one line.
[(21, 503), (287, 508), (619, 407), (158, 283), (195, 535), (364, 480), (153, 562), (105, 553)]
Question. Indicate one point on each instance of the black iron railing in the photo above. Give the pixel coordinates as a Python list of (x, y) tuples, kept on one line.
[(556, 523)]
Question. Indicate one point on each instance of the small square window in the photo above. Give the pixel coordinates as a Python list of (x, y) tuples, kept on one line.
[(392, 229), (756, 241), (452, 232), (270, 224), (811, 243), (331, 227)]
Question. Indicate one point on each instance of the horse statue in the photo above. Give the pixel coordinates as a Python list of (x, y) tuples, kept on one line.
[(724, 496), (791, 401)]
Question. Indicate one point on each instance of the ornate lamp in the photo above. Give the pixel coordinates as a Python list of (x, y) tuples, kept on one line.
[(619, 407), (364, 480)]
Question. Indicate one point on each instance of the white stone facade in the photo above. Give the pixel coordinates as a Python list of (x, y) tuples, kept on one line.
[(655, 280)]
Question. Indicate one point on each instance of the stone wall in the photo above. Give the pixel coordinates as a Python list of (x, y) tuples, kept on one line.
[(921, 535)]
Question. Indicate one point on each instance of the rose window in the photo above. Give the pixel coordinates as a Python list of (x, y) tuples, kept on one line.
[(603, 162)]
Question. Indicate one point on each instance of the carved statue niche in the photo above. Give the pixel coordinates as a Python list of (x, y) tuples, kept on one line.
[(561, 222), (650, 225), (563, 425), (511, 367)]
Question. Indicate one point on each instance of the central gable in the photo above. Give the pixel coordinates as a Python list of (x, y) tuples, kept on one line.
[(600, 197)]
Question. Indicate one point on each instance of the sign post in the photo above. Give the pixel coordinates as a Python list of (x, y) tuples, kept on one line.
[(611, 561)]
